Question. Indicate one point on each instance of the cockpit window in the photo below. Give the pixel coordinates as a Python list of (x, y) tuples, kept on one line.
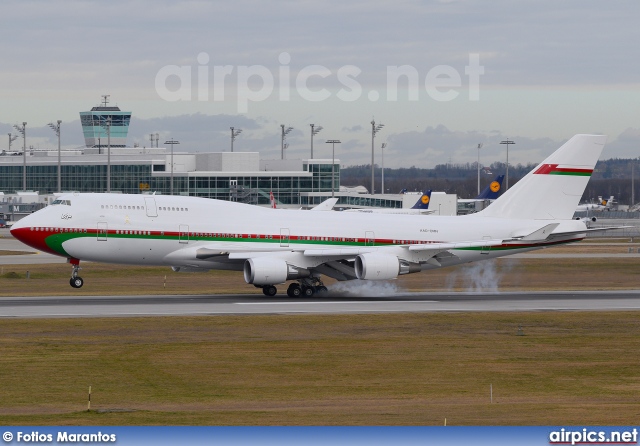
[(63, 202)]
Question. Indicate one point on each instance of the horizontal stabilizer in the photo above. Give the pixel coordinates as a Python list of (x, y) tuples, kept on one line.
[(584, 231), (541, 234)]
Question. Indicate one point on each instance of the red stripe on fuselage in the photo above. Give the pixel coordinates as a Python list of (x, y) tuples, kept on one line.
[(35, 239)]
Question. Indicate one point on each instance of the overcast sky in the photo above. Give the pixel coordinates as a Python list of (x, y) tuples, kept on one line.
[(471, 72)]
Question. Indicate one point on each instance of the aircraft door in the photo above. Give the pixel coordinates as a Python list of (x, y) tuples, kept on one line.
[(284, 237), (369, 238), (486, 249), (102, 231), (184, 234), (150, 205)]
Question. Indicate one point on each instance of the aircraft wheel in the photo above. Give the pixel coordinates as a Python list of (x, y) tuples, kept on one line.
[(76, 282), (269, 290), (322, 290), (294, 290), (308, 291)]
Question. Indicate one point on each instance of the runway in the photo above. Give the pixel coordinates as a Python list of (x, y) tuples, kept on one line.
[(196, 305)]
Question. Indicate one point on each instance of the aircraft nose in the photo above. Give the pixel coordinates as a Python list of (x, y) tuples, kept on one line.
[(20, 231), (16, 229), (31, 236)]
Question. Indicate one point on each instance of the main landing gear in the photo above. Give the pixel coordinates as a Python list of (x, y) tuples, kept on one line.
[(307, 287), (75, 281)]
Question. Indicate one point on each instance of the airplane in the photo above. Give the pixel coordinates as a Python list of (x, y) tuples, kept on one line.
[(604, 205), (491, 192), (589, 207), (420, 208), (271, 248)]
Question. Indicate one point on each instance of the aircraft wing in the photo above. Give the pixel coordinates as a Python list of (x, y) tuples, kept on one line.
[(335, 262), (326, 205)]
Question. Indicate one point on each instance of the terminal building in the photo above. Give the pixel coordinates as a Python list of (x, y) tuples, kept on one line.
[(235, 176)]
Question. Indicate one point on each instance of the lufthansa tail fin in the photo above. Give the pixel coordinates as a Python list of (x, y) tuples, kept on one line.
[(608, 203), (552, 190), (423, 202), (493, 190)]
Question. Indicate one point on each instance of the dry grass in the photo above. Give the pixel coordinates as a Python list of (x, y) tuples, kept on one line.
[(385, 369), (568, 368), (505, 274)]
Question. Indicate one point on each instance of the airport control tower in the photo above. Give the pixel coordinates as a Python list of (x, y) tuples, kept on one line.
[(94, 125)]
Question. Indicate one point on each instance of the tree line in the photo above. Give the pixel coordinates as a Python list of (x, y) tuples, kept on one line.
[(610, 177)]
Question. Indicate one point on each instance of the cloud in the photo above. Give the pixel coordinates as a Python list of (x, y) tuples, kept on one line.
[(626, 145), (440, 145), (550, 69)]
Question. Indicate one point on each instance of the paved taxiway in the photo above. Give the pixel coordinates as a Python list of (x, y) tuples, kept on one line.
[(118, 306)]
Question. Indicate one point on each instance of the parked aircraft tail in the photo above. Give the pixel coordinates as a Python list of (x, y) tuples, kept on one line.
[(493, 190), (423, 201), (608, 203), (552, 190)]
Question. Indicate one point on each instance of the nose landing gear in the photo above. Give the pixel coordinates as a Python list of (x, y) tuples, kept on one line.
[(75, 281)]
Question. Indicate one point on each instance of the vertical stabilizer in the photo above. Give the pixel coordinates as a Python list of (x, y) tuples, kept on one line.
[(423, 201), (493, 190), (552, 190)]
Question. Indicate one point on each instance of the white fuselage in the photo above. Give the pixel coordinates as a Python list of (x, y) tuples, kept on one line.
[(172, 230)]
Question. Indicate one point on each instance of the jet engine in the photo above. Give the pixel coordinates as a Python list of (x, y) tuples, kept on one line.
[(587, 219), (374, 266), (269, 271)]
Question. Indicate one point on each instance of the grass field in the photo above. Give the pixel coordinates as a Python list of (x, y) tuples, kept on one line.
[(395, 369), (384, 369), (501, 274)]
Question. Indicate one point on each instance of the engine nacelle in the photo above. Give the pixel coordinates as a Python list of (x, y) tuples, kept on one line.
[(372, 266), (270, 271), (587, 219)]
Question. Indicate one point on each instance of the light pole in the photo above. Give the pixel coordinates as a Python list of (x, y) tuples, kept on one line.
[(374, 129), (333, 143), (507, 142), (11, 139), (234, 133), (23, 132), (171, 142), (478, 166), (285, 132), (314, 131), (108, 153), (56, 129), (384, 144)]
